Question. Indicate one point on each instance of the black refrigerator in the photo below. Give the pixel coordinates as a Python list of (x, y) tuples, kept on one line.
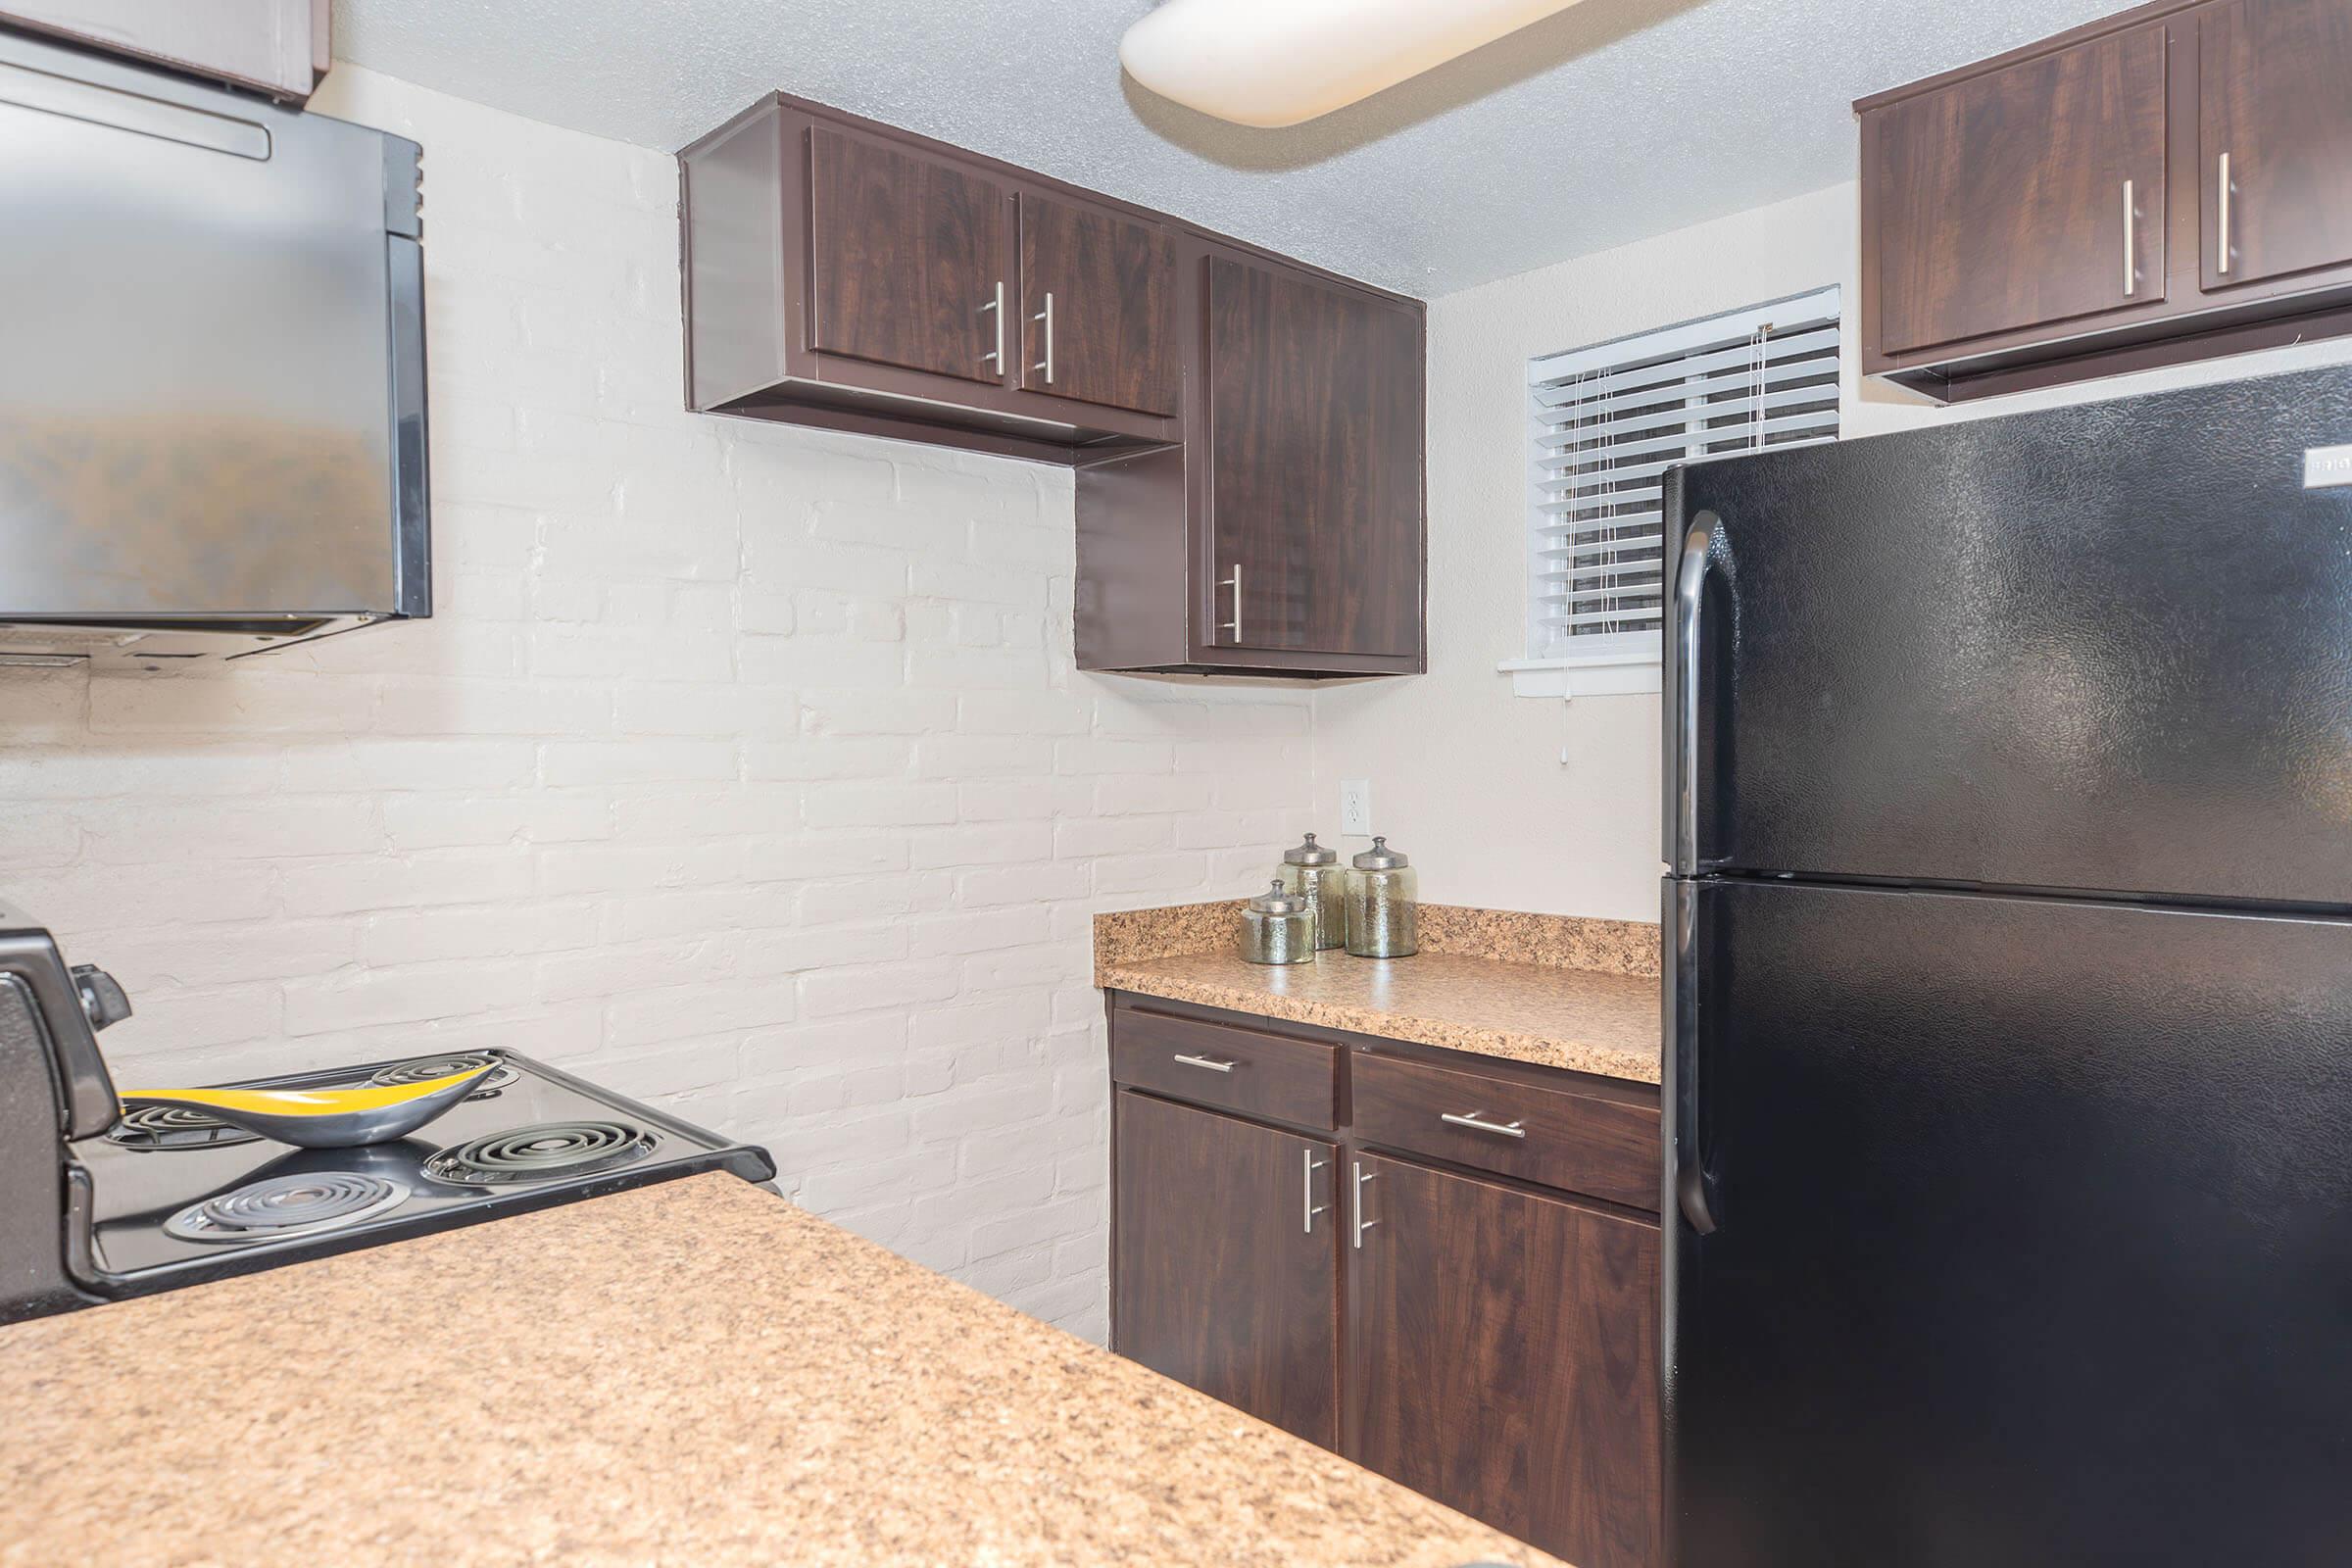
[(2009, 991)]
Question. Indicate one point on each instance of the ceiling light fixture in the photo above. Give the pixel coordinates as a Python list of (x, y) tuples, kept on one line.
[(1280, 62)]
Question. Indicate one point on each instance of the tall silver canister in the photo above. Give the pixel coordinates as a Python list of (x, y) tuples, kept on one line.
[(1313, 871), (1383, 895)]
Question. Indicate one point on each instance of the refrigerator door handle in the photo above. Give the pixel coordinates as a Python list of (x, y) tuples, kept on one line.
[(1685, 1159), (1689, 589)]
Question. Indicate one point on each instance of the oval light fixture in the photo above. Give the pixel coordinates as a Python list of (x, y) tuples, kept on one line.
[(1280, 62)]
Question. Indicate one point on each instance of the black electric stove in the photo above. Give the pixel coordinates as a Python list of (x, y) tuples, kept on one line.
[(170, 1197)]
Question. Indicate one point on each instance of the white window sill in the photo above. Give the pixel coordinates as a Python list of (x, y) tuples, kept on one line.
[(1602, 676)]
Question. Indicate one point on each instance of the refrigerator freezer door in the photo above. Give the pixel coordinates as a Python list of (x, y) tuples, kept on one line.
[(2105, 649), (2033, 1234)]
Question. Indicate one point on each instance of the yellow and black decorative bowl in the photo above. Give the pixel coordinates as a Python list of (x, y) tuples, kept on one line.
[(323, 1118)]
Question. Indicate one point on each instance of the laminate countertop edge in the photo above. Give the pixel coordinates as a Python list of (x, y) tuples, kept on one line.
[(1577, 1020)]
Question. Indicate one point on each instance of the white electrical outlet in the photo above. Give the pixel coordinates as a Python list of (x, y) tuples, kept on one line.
[(1356, 806)]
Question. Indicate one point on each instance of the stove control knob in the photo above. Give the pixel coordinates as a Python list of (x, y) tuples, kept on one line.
[(102, 999)]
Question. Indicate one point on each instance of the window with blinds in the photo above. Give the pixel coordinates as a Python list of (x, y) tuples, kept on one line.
[(1607, 421)]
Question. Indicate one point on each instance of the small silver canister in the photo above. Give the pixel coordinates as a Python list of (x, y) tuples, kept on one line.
[(1383, 920), (1313, 873), (1278, 926)]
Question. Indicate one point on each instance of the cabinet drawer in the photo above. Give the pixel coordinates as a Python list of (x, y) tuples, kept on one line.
[(1232, 1068), (1557, 1138)]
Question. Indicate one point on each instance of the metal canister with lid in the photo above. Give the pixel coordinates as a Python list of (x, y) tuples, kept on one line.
[(1313, 871), (1382, 894), (1278, 926)]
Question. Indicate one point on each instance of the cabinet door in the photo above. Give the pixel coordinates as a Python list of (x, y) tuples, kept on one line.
[(1314, 466), (1228, 1261), (2272, 100), (1502, 1359), (1098, 307), (909, 258), (2000, 202)]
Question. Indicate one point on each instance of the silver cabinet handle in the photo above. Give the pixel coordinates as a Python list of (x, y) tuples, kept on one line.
[(1477, 1121), (2131, 243), (996, 356), (1361, 1224), (1309, 1208), (2223, 236), (1046, 316), (1233, 582), (1210, 1062), (1690, 586)]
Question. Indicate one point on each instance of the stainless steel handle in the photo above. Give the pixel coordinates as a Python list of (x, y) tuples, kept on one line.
[(1210, 1062), (1046, 316), (1476, 1120), (1309, 1208), (1684, 1158), (2131, 243), (1359, 1223), (2223, 240), (1689, 585), (996, 356), (1233, 582)]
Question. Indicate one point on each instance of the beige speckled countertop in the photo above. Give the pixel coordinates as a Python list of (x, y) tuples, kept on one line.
[(695, 1372), (1582, 995)]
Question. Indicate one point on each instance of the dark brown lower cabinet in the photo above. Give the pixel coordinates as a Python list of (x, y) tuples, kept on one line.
[(1502, 1359), (1227, 1271), (1488, 1336)]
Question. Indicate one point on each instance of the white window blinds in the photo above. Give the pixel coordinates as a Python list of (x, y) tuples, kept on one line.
[(1607, 421)]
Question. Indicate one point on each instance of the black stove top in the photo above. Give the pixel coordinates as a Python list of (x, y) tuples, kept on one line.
[(171, 1198)]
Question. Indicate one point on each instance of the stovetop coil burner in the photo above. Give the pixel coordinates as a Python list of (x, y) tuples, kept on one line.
[(282, 1206), (424, 1067), (174, 1127), (540, 1152)]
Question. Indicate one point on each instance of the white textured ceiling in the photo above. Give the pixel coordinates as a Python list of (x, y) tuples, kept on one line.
[(1613, 120)]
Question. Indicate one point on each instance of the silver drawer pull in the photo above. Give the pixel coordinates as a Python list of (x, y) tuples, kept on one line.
[(1359, 1223), (1210, 1062), (996, 356), (1475, 1120), (1309, 1208), (2221, 239), (2131, 242), (1046, 316)]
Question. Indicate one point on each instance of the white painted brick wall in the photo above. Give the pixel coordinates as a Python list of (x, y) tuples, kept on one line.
[(742, 768)]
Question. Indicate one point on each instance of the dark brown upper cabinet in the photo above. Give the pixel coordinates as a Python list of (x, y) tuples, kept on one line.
[(2275, 115), (1227, 1265), (1314, 467), (2023, 198), (1286, 537), (1247, 429), (847, 275), (1099, 307), (910, 258), (2166, 184)]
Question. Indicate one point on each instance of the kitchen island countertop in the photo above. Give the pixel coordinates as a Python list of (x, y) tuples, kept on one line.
[(695, 1372)]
